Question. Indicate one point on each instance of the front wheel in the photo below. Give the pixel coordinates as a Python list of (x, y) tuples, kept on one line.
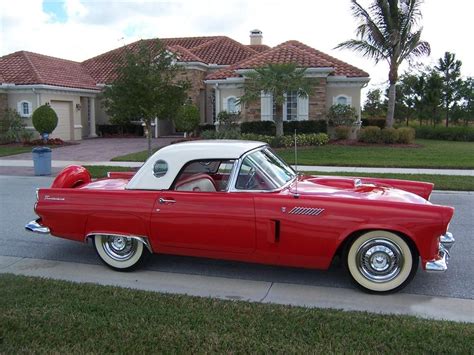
[(120, 252), (381, 262)]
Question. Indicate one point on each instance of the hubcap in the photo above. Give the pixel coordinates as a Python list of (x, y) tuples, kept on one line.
[(379, 260), (119, 248)]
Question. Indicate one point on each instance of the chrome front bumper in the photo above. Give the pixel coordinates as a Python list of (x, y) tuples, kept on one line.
[(441, 265), (35, 227)]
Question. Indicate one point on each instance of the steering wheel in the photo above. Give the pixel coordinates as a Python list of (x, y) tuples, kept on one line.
[(251, 179)]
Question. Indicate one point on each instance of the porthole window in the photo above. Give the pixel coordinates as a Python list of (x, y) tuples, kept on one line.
[(160, 168)]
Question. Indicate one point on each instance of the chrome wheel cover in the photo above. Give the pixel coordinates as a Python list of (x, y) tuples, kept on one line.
[(379, 260), (119, 248)]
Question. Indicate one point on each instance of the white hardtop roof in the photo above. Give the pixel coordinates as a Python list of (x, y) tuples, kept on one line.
[(177, 155)]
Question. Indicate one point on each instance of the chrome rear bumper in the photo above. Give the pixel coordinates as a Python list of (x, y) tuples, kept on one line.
[(35, 227), (446, 241)]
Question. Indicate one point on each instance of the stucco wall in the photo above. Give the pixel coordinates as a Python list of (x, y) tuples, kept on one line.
[(40, 97), (352, 91), (3, 107)]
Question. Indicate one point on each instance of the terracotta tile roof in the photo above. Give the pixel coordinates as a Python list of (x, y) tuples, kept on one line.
[(223, 51), (23, 68), (341, 68), (258, 47), (291, 52), (210, 50)]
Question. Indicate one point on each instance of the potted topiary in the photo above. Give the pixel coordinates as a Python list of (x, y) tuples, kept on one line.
[(45, 120)]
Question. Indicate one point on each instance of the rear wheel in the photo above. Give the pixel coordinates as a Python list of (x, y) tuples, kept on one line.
[(381, 262), (120, 252)]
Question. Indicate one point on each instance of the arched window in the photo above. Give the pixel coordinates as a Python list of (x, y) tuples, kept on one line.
[(232, 105), (342, 100)]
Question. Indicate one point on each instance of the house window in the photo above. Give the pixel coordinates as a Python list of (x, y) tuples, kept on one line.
[(232, 105), (290, 107), (342, 100), (24, 108)]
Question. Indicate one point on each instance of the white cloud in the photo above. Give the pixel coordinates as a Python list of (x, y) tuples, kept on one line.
[(94, 27)]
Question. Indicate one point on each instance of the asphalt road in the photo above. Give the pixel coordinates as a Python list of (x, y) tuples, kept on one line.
[(17, 196)]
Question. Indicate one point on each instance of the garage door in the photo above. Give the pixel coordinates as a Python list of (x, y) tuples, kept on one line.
[(64, 111)]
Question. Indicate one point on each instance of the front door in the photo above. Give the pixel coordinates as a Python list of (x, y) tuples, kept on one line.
[(217, 221)]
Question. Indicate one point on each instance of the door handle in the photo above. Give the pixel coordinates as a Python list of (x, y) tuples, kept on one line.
[(164, 201)]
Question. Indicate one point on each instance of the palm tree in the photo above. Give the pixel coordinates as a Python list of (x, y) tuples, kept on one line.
[(277, 80), (450, 69), (388, 31)]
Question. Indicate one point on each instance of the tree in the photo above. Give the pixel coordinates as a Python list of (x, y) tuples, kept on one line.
[(450, 70), (432, 96), (373, 106), (277, 80), (388, 31), (187, 118), (146, 87)]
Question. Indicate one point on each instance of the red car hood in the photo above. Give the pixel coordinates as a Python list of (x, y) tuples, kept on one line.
[(353, 188)]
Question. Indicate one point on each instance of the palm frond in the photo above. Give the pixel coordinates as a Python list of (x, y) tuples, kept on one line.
[(367, 49)]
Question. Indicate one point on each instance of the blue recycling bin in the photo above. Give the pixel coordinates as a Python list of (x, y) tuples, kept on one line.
[(42, 160)]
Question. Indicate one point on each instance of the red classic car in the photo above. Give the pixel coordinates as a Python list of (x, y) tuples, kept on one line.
[(238, 200)]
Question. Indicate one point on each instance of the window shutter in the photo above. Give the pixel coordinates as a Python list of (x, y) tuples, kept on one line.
[(266, 112), (303, 108)]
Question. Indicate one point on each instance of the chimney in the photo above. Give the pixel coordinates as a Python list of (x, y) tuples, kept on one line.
[(256, 37)]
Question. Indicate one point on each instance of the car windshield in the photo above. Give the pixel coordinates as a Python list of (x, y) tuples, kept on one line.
[(264, 170)]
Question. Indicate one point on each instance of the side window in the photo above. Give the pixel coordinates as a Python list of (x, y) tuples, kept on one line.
[(160, 168), (24, 108), (204, 176), (251, 177)]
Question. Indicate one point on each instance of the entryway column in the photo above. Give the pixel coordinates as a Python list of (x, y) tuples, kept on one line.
[(92, 132)]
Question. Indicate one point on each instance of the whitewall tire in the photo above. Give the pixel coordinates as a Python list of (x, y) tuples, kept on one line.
[(120, 252), (381, 262)]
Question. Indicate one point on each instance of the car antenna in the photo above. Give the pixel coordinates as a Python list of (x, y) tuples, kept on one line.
[(296, 195)]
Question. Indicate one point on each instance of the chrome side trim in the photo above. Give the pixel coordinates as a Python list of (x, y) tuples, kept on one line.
[(35, 227), (447, 240), (141, 239)]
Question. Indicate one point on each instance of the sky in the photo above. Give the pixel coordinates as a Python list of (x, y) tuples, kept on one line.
[(80, 29)]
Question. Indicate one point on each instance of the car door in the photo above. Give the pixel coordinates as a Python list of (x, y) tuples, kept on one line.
[(216, 221)]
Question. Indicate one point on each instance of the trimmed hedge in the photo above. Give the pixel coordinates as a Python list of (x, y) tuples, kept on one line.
[(105, 130), (268, 127), (342, 132), (460, 134), (373, 134), (379, 122)]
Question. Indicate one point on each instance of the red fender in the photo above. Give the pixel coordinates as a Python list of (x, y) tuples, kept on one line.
[(72, 176)]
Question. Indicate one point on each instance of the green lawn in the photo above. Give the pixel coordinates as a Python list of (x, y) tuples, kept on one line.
[(45, 316), (100, 171), (441, 182), (429, 154), (12, 150)]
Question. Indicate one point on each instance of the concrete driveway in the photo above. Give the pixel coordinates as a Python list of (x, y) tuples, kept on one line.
[(99, 149)]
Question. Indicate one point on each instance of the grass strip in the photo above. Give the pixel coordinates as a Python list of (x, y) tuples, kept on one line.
[(46, 316), (6, 150), (441, 182), (100, 171)]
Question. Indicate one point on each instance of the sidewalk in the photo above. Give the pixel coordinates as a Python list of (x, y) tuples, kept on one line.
[(22, 167), (431, 307)]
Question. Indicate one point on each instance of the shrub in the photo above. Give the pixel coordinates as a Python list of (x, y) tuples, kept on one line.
[(228, 121), (342, 132), (305, 127), (288, 141), (389, 135), (461, 134), (406, 135), (206, 127), (370, 134), (45, 119), (379, 122), (12, 128), (226, 134), (106, 130), (187, 118), (341, 115), (258, 127)]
